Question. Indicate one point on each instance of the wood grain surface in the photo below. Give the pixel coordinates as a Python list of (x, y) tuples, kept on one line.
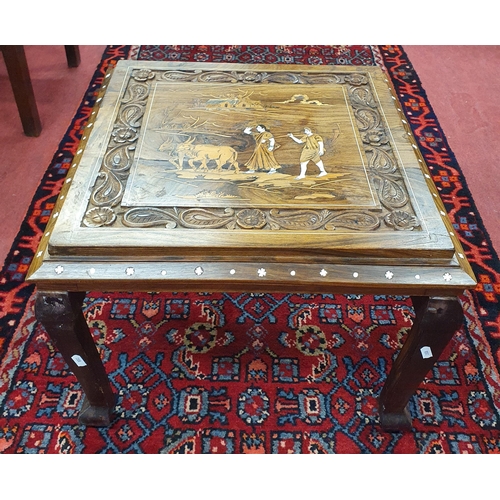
[(310, 173)]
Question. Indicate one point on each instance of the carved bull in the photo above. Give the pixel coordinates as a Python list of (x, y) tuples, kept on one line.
[(204, 153)]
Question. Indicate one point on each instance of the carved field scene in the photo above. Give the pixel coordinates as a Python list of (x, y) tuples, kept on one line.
[(228, 145)]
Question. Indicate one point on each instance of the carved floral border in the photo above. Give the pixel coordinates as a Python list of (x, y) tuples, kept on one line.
[(104, 205)]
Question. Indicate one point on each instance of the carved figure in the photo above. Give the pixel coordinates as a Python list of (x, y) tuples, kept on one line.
[(262, 158), (313, 150), (204, 153)]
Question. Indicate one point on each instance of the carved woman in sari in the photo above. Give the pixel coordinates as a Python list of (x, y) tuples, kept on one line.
[(262, 158)]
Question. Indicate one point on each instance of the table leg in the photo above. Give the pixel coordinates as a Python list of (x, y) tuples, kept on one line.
[(61, 315), (437, 319)]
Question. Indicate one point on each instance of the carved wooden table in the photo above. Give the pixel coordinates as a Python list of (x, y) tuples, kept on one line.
[(250, 178)]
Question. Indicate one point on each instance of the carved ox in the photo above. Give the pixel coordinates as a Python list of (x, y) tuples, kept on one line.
[(204, 153)]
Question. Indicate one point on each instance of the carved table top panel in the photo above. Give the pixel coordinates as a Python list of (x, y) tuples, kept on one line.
[(294, 163), (224, 145)]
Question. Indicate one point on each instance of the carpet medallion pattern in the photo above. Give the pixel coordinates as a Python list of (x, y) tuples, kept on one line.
[(254, 373)]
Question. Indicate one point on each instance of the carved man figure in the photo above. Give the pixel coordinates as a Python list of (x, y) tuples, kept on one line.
[(312, 151), (263, 156)]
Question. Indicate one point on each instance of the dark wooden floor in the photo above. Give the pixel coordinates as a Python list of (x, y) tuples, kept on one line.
[(462, 83)]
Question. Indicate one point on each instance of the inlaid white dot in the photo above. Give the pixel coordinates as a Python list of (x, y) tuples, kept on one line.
[(59, 269), (323, 272), (389, 275), (55, 215), (199, 271), (417, 276), (261, 272), (91, 271), (452, 233), (461, 255), (68, 181), (355, 275), (428, 176), (163, 272), (129, 271), (442, 213), (447, 276), (39, 254), (233, 271), (292, 273), (79, 151)]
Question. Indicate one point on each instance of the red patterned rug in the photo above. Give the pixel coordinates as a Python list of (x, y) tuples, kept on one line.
[(254, 373)]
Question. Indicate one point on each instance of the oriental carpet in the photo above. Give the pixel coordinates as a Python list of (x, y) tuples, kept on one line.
[(254, 373)]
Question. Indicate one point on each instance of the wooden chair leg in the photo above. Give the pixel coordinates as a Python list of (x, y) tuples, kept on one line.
[(17, 68), (72, 55)]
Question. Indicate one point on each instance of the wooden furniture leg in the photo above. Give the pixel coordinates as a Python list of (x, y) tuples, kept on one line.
[(61, 315), (72, 55), (436, 321), (19, 75)]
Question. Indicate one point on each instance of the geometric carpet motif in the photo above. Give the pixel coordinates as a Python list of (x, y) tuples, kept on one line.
[(254, 373)]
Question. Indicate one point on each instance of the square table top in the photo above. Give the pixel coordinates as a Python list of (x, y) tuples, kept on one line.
[(187, 179)]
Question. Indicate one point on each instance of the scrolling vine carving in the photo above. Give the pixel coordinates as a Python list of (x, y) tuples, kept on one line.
[(195, 218)]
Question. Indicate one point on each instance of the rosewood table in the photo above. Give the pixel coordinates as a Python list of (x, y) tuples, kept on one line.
[(250, 178)]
